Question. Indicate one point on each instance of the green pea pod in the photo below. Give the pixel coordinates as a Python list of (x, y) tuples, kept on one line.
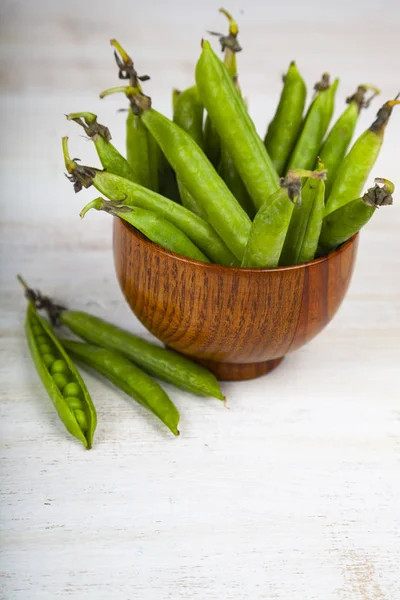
[(226, 168), (341, 224), (270, 225), (189, 202), (230, 175), (212, 142), (60, 377), (336, 144), (315, 126), (137, 149), (110, 158), (285, 127), (156, 228), (357, 165), (235, 128), (129, 378), (126, 192), (198, 176), (188, 114), (155, 360), (301, 242), (154, 162)]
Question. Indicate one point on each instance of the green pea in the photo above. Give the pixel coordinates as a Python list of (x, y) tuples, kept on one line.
[(37, 330), (61, 380), (48, 359), (41, 339), (81, 419), (72, 389), (73, 402), (45, 348), (59, 366)]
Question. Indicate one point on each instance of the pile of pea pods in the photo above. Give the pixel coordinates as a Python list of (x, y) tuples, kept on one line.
[(206, 185), (127, 360)]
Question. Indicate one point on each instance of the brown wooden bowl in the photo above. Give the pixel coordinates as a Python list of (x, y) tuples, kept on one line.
[(238, 322)]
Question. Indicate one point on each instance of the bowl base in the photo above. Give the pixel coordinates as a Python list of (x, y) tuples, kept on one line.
[(240, 371)]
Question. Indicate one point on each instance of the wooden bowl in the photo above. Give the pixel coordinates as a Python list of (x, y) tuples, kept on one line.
[(238, 322)]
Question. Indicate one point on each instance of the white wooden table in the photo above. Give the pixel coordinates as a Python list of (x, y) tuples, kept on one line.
[(291, 493)]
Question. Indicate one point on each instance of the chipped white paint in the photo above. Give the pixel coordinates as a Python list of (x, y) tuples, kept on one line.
[(293, 492)]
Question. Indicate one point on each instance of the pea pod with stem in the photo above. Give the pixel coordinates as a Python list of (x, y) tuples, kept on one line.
[(154, 227), (111, 160), (212, 142), (188, 114), (301, 241), (270, 225), (129, 378), (235, 127), (285, 127), (316, 123), (341, 224), (336, 144), (155, 360), (142, 154), (128, 193), (358, 163), (59, 375), (226, 167)]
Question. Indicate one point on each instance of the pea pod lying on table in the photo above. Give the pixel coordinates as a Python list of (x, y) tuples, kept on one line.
[(129, 378), (59, 375), (160, 362), (355, 168), (315, 125), (154, 227), (285, 127), (341, 224), (127, 193), (270, 225), (336, 144)]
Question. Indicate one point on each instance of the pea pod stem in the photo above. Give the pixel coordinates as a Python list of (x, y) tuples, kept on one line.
[(110, 158)]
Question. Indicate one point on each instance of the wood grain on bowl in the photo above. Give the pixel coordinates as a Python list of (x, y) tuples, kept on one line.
[(240, 322)]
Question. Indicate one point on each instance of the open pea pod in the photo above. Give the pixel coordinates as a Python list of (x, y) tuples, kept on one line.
[(61, 378)]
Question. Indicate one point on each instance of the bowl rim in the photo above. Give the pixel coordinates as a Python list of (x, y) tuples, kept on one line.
[(217, 267)]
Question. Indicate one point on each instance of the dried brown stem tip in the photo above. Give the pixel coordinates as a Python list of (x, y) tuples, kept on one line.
[(323, 84), (126, 69), (380, 196)]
